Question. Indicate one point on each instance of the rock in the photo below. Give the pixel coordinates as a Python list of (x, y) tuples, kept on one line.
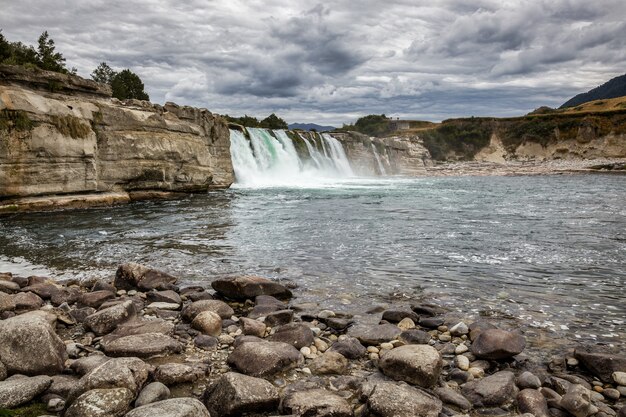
[(80, 314), (375, 335), (152, 393), (6, 302), (462, 362), (601, 364), (9, 287), (387, 399), (111, 402), (611, 394), (416, 364), (167, 296), (263, 311), (329, 363), (62, 385), (85, 365), (427, 309), (493, 391), (206, 342), (65, 295), (163, 306), (619, 378), (431, 322), (16, 392), (27, 301), (264, 358), (497, 344), (45, 290), (278, 318), (3, 372), (453, 398), (577, 401), (139, 326), (406, 324), (30, 346), (459, 329), (249, 287), (528, 380), (95, 299), (397, 315), (55, 405), (477, 327), (134, 276), (129, 373), (338, 323), (208, 322), (315, 403), (178, 373), (106, 320), (296, 334), (146, 345), (252, 327), (350, 347), (235, 394), (221, 308), (175, 407), (415, 337), (533, 402)]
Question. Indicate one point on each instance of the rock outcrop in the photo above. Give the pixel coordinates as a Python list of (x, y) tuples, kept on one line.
[(64, 135)]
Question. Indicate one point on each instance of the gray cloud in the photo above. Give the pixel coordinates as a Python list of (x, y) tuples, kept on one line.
[(334, 61)]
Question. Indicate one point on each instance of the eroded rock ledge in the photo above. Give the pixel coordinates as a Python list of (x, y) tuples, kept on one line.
[(144, 345), (61, 135)]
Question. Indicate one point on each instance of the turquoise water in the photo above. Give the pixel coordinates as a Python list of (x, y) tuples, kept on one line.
[(550, 250)]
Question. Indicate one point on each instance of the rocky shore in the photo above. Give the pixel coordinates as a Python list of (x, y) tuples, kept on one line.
[(142, 344)]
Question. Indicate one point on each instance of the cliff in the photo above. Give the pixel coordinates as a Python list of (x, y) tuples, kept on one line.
[(65, 136)]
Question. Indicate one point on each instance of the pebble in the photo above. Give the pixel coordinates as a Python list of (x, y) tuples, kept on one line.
[(476, 372), (305, 350), (56, 405), (374, 356), (321, 345), (442, 329), (226, 339), (386, 346), (132, 292), (325, 314), (611, 393), (406, 324), (619, 378), (598, 388), (459, 329), (622, 390), (372, 349), (445, 337), (333, 337), (316, 331), (461, 349), (462, 363), (306, 371), (572, 362)]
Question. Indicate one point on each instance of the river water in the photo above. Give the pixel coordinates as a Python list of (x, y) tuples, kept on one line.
[(549, 251)]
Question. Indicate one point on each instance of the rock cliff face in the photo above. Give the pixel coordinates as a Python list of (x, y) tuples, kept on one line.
[(64, 135)]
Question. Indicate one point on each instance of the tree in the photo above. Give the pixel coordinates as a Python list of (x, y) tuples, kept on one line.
[(126, 85), (274, 122), (5, 48), (47, 58), (103, 74)]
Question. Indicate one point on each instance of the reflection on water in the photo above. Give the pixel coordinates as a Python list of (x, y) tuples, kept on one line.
[(550, 250)]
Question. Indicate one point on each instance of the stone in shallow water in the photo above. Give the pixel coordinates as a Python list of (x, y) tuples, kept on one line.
[(417, 364), (600, 363), (249, 287), (350, 347), (235, 394), (221, 308), (415, 337), (132, 276), (296, 334), (375, 335), (17, 391), (493, 391), (497, 344), (264, 358), (531, 401), (397, 315)]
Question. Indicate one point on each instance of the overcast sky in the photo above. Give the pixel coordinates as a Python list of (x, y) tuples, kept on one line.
[(331, 62)]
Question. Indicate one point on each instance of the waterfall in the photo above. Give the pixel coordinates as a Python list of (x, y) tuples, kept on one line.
[(270, 158), (381, 168)]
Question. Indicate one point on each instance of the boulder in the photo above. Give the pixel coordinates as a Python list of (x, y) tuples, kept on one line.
[(264, 358), (134, 276), (249, 287), (416, 364), (3, 372), (316, 403), (533, 402), (427, 309), (6, 302), (388, 399), (145, 345), (497, 344), (84, 365), (296, 334), (453, 398), (45, 290), (329, 363), (528, 380), (600, 363), (167, 296), (235, 394), (156, 391), (397, 315), (208, 322), (62, 385), (493, 391), (95, 299), (415, 337), (27, 301), (375, 335), (477, 328), (30, 346), (349, 347), (17, 391), (175, 407), (221, 308), (263, 310), (178, 373), (140, 326), (577, 401), (278, 318), (106, 320), (110, 402), (252, 327), (9, 287)]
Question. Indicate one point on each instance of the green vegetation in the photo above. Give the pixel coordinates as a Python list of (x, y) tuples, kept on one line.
[(372, 125), (33, 410), (15, 120), (71, 126), (613, 88), (125, 84), (270, 122), (44, 57), (465, 138)]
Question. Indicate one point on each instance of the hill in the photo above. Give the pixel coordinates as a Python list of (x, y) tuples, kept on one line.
[(613, 88), (311, 126)]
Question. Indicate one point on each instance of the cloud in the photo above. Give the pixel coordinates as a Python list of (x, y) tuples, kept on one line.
[(333, 61)]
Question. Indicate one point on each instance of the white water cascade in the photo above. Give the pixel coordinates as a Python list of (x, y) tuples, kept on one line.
[(271, 159), (381, 167)]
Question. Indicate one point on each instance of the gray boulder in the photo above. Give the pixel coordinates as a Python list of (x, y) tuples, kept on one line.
[(329, 363), (134, 276), (316, 403), (167, 296), (296, 334), (493, 391), (106, 320), (221, 308), (27, 301), (249, 287), (139, 326), (497, 344), (396, 315), (350, 347), (415, 337), (146, 345), (111, 402), (577, 401), (601, 364), (453, 398), (388, 399), (95, 299), (208, 322), (3, 372), (264, 358), (82, 366), (533, 402), (178, 373), (252, 327), (6, 302), (375, 335), (235, 394), (416, 364), (175, 407), (152, 393), (17, 391), (29, 345)]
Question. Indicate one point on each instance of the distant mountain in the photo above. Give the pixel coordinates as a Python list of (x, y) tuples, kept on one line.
[(311, 126), (610, 89)]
